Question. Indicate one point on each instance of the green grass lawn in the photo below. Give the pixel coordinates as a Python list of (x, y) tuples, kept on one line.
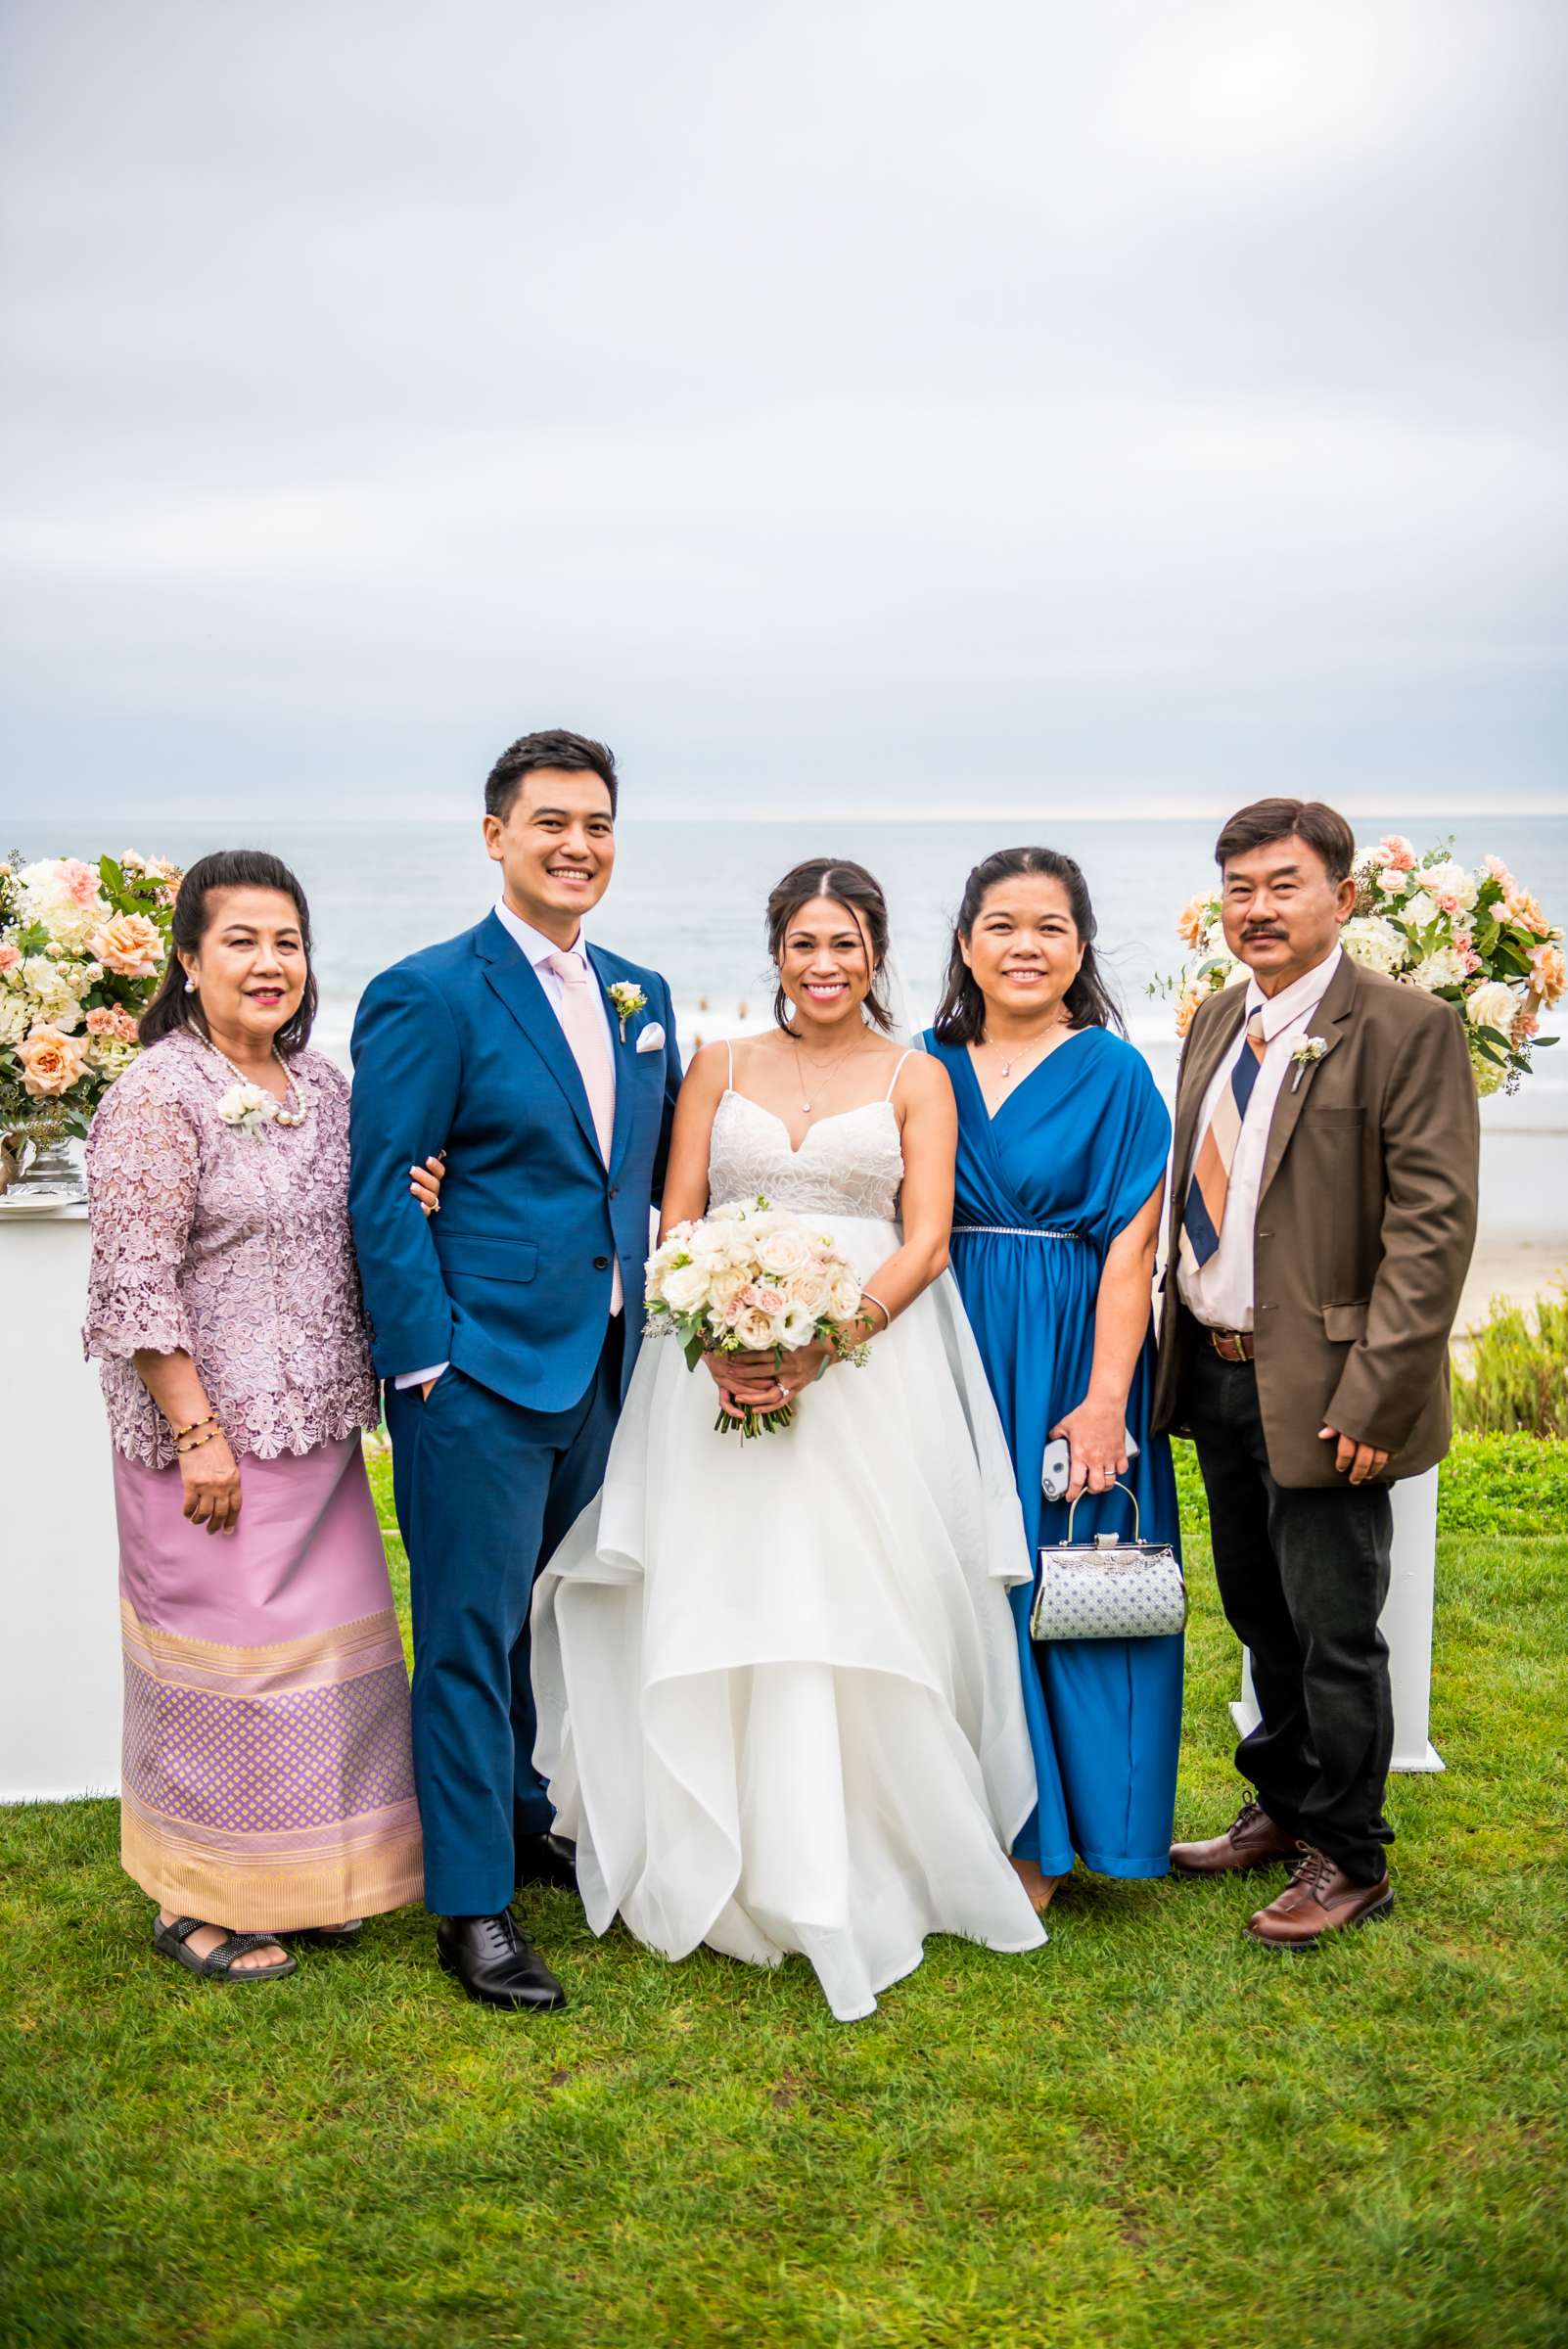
[(1150, 2132)]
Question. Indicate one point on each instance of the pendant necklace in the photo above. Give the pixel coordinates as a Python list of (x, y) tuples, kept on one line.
[(831, 1071), (296, 1091), (1020, 1050)]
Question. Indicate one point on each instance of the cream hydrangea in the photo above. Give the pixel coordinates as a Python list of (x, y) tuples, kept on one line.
[(1375, 944), (55, 1002), (63, 895), (16, 1016), (1443, 968), (1449, 882)]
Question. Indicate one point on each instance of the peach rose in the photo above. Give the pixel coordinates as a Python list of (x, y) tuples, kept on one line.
[(1192, 921), (10, 955), (50, 1063), (1396, 851), (1550, 973), (1528, 914), (129, 946), (1187, 1010), (108, 1020)]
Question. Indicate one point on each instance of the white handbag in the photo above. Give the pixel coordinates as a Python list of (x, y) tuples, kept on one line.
[(1108, 1588)]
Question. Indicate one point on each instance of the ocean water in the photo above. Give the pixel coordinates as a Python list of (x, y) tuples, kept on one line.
[(688, 897)]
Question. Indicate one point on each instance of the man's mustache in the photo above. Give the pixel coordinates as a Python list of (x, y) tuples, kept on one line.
[(1249, 935)]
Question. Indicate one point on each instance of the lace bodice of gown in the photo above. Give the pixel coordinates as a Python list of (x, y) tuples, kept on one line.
[(848, 1164)]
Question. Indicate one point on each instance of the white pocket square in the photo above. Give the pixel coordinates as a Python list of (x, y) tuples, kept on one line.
[(650, 1039)]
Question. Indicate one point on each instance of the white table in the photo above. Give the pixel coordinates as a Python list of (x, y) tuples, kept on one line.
[(60, 1663)]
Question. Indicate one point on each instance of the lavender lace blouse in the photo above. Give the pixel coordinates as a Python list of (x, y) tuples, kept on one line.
[(231, 1246)]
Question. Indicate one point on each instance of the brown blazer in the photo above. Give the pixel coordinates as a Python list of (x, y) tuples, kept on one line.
[(1366, 1221)]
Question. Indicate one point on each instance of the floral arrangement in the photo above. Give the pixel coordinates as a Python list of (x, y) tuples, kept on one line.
[(750, 1279), (1477, 937), (82, 948)]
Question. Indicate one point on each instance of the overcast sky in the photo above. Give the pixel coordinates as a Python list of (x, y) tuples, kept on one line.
[(850, 404)]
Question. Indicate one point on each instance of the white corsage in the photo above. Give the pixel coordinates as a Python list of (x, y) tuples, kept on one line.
[(1306, 1054), (628, 997), (249, 1106)]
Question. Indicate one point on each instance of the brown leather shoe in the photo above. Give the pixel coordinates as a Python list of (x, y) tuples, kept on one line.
[(1319, 1898), (1252, 1840)]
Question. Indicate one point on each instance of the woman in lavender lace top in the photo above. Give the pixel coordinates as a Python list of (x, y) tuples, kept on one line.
[(268, 1782)]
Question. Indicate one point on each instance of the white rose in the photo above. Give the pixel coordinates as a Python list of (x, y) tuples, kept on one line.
[(809, 1290), (784, 1250), (844, 1295), (1492, 1006), (754, 1330), (1442, 969), (1418, 912), (725, 1285), (733, 1211), (1374, 943), (685, 1288), (1213, 940)]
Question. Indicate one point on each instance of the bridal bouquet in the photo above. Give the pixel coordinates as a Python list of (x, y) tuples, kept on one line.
[(750, 1279), (1477, 937), (82, 947)]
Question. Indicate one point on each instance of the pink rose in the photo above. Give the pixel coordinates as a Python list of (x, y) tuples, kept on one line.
[(50, 1063), (10, 955), (79, 881), (129, 946), (768, 1299), (1501, 874), (108, 1020), (1397, 853)]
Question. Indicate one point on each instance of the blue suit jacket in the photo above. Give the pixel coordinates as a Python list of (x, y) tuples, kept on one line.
[(459, 1049)]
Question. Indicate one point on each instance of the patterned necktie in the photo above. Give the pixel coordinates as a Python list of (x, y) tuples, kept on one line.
[(583, 1024), (1205, 1211)]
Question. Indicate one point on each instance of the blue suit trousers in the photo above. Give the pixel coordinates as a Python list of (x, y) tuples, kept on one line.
[(485, 1490)]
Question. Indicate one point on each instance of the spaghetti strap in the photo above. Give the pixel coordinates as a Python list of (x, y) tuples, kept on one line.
[(730, 1056), (892, 1081)]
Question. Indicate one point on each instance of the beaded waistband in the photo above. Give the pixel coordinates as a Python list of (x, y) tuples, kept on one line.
[(1015, 1231)]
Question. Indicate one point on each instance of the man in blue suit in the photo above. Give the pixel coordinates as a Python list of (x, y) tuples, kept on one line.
[(506, 1326)]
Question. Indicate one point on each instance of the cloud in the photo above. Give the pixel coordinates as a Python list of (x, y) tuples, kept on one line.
[(847, 397)]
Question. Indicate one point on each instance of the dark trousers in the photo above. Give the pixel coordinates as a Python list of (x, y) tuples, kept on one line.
[(485, 1490), (1302, 1576)]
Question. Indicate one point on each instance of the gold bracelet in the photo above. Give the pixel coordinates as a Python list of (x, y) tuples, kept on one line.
[(177, 1431), (190, 1445)]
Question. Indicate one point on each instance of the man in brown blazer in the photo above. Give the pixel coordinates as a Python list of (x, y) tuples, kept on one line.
[(1322, 1214)]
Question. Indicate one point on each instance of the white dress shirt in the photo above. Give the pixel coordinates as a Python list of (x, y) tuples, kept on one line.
[(1219, 1292), (539, 949)]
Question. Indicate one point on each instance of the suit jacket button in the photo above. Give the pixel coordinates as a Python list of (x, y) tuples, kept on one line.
[(601, 1264), (614, 1191)]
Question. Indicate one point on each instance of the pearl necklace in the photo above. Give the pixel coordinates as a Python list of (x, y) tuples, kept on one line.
[(296, 1091)]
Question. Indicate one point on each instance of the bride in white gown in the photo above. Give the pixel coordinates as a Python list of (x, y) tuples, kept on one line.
[(777, 1678)]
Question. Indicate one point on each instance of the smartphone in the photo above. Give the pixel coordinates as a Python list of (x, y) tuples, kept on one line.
[(1056, 1469)]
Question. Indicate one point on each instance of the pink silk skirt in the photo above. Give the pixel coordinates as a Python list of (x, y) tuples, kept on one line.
[(268, 1771)]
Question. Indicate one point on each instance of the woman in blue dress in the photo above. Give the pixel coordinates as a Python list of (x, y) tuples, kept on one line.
[(1062, 1144)]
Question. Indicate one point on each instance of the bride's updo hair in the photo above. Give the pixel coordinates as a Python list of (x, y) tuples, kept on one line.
[(852, 887), (961, 1014)]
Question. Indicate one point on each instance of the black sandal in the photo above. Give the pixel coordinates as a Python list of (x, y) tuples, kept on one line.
[(325, 1937), (172, 1941)]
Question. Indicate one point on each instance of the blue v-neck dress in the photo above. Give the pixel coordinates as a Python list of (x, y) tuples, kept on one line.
[(1077, 1148)]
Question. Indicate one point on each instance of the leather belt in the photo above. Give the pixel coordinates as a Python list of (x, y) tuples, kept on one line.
[(1231, 1344)]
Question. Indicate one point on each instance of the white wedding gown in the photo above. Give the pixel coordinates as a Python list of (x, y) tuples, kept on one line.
[(777, 1679)]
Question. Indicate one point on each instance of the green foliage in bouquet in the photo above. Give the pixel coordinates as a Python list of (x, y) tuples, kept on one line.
[(82, 948)]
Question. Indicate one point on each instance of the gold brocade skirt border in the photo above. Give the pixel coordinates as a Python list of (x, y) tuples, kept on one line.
[(270, 1789)]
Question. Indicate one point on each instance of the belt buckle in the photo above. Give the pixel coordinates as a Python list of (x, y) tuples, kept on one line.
[(1220, 1339)]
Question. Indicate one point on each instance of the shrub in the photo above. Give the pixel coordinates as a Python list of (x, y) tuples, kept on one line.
[(1518, 1376)]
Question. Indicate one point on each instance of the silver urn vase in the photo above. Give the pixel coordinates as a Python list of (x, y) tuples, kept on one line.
[(40, 1170)]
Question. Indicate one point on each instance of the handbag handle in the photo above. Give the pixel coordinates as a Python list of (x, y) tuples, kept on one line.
[(1117, 1487)]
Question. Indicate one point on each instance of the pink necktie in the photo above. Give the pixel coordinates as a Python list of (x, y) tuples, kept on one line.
[(583, 1024)]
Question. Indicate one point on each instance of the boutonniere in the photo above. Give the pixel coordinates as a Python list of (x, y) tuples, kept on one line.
[(1306, 1054), (628, 997), (247, 1107)]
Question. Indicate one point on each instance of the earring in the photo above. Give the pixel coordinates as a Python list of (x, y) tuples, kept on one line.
[(190, 984)]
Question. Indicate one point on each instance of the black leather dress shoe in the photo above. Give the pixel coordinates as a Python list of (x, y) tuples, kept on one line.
[(547, 1860), (496, 1963)]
